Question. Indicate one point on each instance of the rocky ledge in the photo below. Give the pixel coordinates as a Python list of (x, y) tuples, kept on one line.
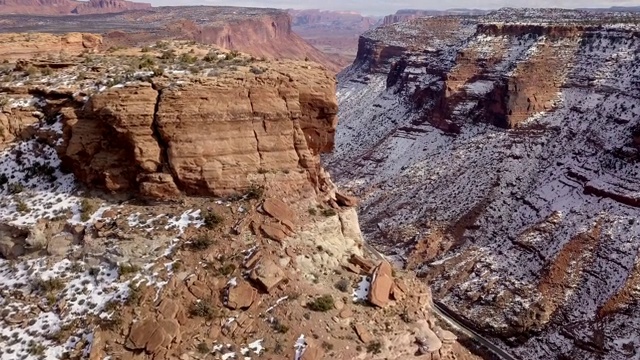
[(162, 135)]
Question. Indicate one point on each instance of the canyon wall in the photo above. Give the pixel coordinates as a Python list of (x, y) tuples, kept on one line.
[(497, 158)]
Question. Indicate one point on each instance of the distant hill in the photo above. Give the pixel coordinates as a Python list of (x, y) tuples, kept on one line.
[(68, 7)]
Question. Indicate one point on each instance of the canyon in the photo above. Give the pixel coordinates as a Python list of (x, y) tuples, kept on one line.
[(497, 157), (335, 33), (194, 182)]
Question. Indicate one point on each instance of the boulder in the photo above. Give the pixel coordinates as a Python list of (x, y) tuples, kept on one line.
[(140, 334), (267, 274), (60, 244), (446, 336), (168, 308), (381, 284), (278, 210), (274, 232), (158, 186), (346, 200), (363, 263), (363, 333), (241, 296), (427, 340)]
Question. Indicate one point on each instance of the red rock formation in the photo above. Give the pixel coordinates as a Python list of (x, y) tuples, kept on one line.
[(24, 46), (340, 20), (109, 6), (67, 7), (215, 137)]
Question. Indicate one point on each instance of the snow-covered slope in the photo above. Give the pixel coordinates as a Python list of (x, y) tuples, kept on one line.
[(499, 161)]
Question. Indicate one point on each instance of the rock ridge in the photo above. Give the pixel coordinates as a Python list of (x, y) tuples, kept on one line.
[(211, 138)]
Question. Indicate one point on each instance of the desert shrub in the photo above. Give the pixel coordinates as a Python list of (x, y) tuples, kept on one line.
[(47, 286), (22, 207), (227, 269), (145, 49), (203, 348), (36, 348), (255, 192), (127, 269), (135, 294), (162, 45), (168, 55), (87, 208), (329, 212), (15, 188), (279, 326), (31, 71), (203, 309), (47, 71), (257, 70), (188, 58), (374, 347), (322, 304), (158, 71), (112, 323), (211, 219), (343, 285), (200, 243), (211, 56), (147, 62)]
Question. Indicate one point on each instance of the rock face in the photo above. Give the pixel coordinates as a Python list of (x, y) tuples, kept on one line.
[(68, 7), (498, 157), (213, 137), (23, 46)]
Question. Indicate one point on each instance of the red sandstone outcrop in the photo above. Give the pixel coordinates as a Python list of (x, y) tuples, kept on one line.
[(216, 136), (68, 7), (109, 6), (24, 46)]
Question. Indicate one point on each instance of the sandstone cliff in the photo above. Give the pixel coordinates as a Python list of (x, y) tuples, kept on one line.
[(496, 157), (211, 138)]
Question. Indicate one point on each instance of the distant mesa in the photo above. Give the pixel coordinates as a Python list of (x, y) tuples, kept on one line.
[(68, 7)]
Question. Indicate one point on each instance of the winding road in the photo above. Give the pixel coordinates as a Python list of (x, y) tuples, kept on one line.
[(450, 318)]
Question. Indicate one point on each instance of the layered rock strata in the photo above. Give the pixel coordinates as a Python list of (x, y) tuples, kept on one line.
[(499, 159), (213, 137)]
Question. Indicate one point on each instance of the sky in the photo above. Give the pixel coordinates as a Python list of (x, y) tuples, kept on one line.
[(384, 7)]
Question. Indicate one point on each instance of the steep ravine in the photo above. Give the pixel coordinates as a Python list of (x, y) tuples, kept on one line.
[(497, 160)]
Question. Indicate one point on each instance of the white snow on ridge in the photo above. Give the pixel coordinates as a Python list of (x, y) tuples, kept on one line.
[(409, 173)]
